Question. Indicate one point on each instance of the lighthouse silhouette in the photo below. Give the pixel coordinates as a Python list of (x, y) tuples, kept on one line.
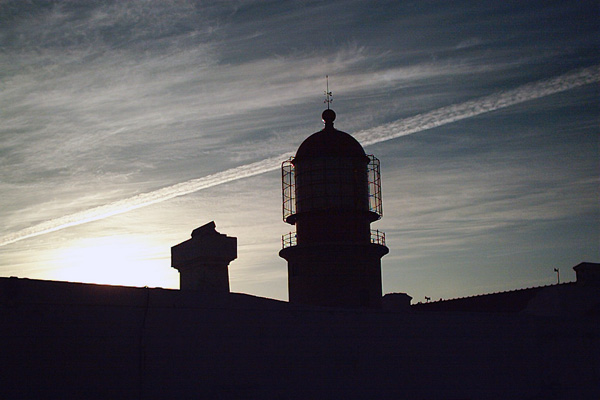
[(332, 194)]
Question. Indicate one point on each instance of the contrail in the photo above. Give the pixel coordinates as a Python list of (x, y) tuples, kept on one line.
[(472, 108), (146, 199), (403, 127)]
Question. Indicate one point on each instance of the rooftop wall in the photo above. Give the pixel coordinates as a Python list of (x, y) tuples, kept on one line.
[(63, 340)]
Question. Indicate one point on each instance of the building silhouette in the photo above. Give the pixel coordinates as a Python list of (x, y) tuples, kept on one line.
[(332, 193), (203, 261), (336, 338)]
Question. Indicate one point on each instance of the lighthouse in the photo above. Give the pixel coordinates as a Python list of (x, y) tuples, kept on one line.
[(332, 194)]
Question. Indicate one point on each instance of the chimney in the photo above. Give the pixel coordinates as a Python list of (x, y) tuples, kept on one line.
[(203, 261), (587, 273)]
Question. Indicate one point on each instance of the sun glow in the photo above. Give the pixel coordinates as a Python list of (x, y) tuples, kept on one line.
[(115, 260)]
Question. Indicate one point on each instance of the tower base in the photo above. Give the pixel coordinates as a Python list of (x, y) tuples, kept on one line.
[(335, 275)]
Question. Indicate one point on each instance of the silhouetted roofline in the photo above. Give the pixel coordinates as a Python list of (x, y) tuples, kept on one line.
[(496, 302), (484, 295)]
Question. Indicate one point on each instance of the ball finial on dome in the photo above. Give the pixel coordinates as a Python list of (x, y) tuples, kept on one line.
[(328, 116)]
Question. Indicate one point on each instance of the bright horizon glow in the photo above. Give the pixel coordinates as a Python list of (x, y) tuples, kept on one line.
[(113, 260)]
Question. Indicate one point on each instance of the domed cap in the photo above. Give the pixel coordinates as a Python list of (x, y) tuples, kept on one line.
[(329, 142)]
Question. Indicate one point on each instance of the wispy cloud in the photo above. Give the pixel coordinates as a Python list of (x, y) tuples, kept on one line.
[(418, 123)]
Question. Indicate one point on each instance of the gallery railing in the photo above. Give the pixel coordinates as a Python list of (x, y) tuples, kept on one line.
[(290, 239)]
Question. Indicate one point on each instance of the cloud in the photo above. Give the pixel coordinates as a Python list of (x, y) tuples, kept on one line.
[(390, 131)]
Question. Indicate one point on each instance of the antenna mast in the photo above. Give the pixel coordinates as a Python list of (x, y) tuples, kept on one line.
[(328, 94)]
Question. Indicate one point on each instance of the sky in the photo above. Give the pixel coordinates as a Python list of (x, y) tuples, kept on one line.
[(127, 124)]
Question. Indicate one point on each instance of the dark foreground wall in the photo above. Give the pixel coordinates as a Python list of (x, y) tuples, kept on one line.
[(76, 341)]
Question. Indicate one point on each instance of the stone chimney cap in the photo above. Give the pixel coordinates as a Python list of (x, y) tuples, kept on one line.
[(206, 229)]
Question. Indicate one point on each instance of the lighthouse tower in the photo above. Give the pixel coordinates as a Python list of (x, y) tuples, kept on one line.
[(332, 194)]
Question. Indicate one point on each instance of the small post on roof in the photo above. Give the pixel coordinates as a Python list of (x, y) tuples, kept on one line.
[(557, 275)]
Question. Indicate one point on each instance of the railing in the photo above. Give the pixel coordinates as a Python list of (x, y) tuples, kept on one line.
[(290, 239), (374, 177), (377, 237), (288, 188)]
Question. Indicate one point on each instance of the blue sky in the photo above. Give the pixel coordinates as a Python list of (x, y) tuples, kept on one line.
[(103, 101)]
